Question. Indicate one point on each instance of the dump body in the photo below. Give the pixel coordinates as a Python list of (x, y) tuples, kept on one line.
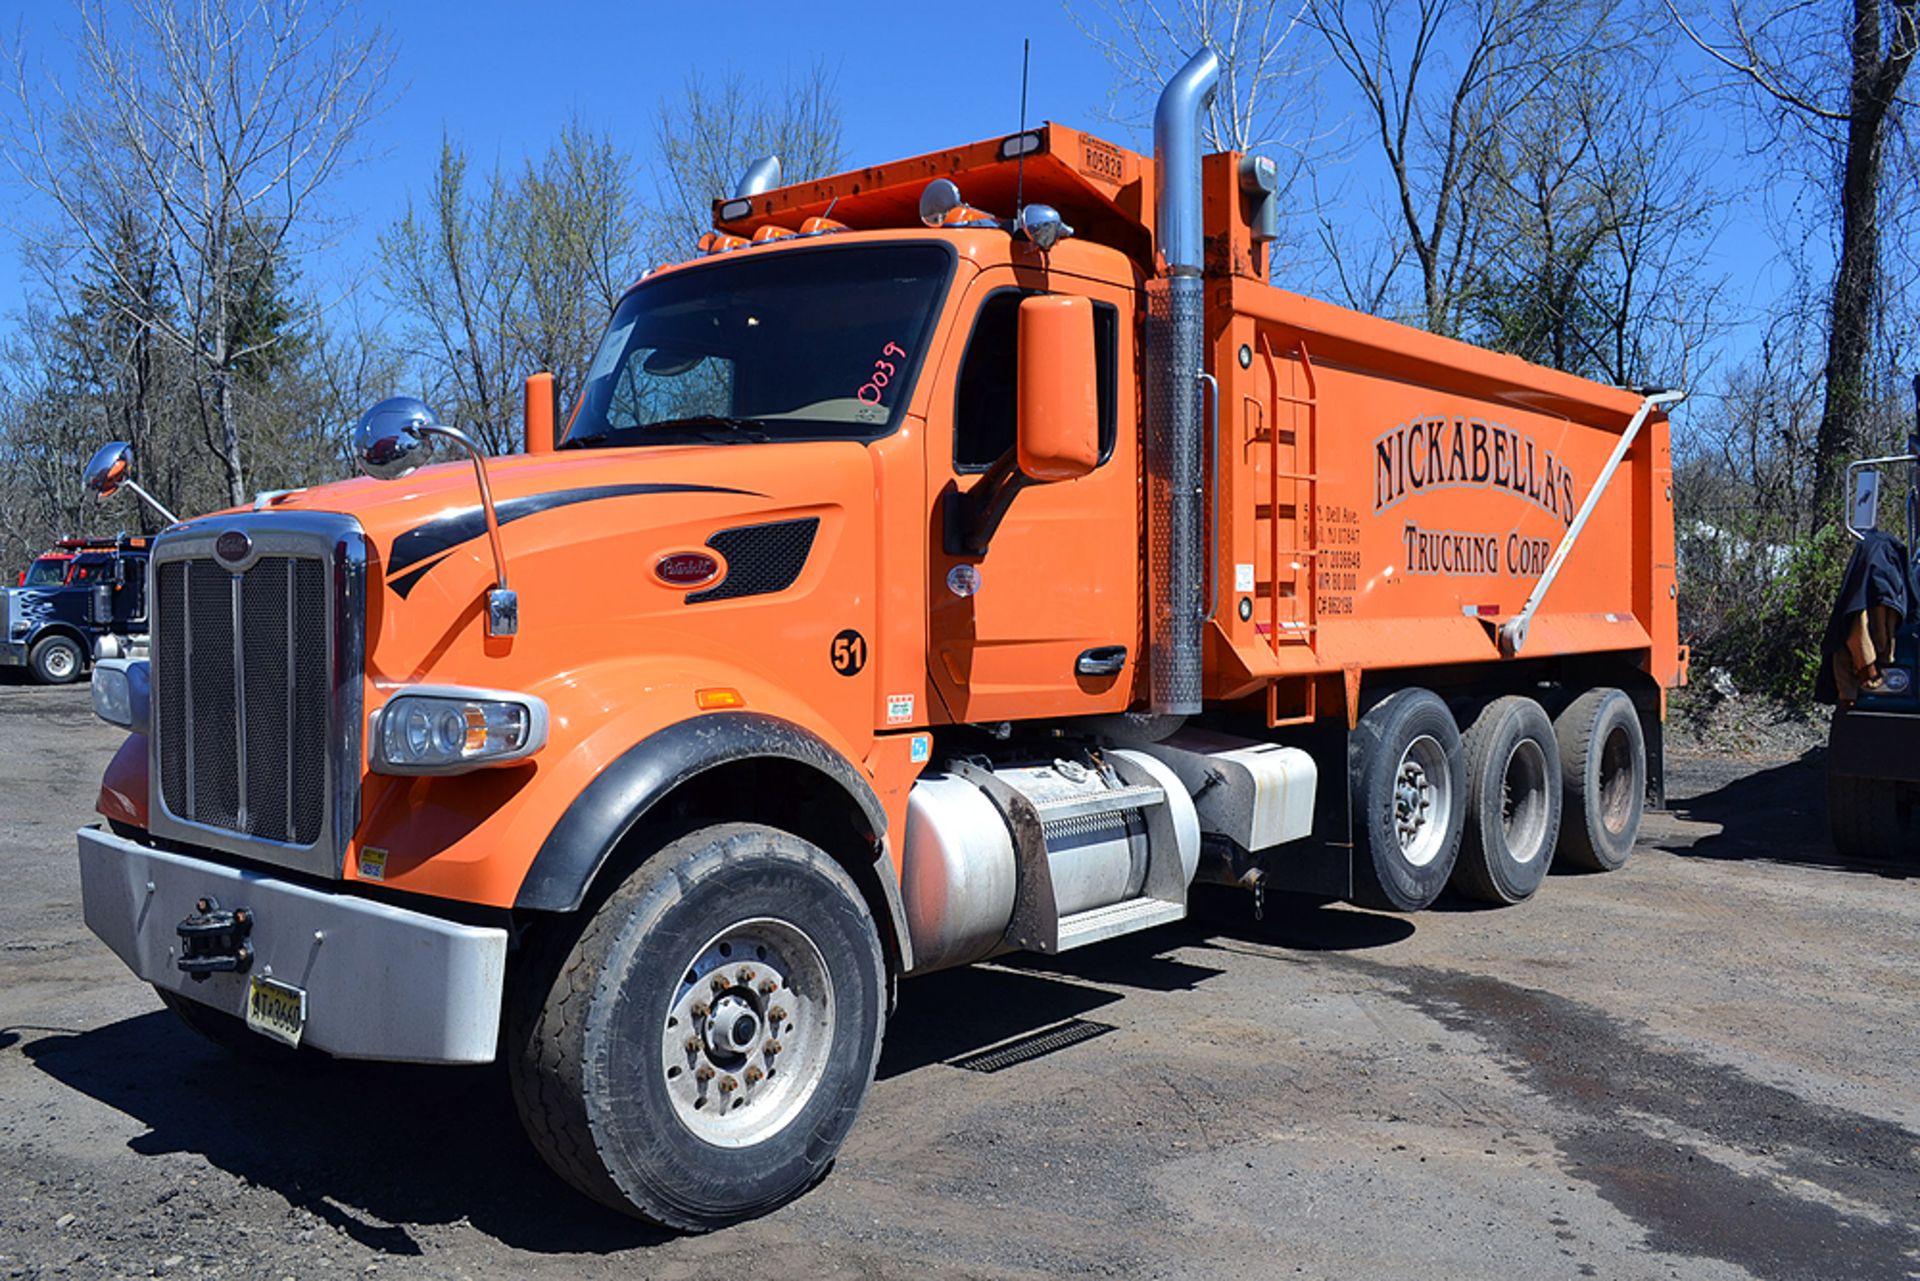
[(1389, 498)]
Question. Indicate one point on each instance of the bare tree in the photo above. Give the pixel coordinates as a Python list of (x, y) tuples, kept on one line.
[(705, 139), (510, 275), (1260, 60), (1599, 210), (222, 118), (1266, 102), (579, 235), (455, 269), (1437, 78), (1836, 73)]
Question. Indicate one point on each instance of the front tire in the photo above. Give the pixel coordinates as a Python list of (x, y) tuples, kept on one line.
[(698, 1052), (57, 660), (1513, 802), (1603, 757), (1408, 776)]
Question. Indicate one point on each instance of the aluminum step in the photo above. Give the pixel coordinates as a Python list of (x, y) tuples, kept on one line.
[(1116, 919), (1113, 800)]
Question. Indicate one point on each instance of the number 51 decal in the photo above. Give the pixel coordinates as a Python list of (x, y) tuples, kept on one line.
[(849, 652)]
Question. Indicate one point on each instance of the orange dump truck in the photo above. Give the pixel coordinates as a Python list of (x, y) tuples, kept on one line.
[(958, 556)]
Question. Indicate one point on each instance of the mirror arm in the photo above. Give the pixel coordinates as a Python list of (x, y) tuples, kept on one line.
[(466, 442), (503, 605), (151, 501), (971, 518)]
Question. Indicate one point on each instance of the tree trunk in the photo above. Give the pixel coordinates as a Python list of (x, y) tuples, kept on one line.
[(229, 436), (1856, 281)]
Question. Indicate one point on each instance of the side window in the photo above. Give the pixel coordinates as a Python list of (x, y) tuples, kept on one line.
[(986, 402)]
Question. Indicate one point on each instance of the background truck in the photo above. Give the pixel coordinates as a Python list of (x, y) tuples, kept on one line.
[(99, 605), (960, 555), (1868, 672)]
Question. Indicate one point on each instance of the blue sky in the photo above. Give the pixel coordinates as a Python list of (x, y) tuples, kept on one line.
[(503, 78)]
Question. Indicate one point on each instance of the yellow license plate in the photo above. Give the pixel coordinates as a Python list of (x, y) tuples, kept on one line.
[(278, 1010)]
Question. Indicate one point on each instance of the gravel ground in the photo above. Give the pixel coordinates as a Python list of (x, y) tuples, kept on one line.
[(1701, 1066)]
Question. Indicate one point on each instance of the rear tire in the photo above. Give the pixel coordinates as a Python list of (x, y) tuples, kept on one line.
[(1408, 776), (1872, 819), (654, 1067), (57, 660), (1603, 759), (1513, 802)]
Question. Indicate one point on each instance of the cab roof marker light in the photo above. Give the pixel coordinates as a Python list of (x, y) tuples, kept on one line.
[(1021, 144), (819, 225)]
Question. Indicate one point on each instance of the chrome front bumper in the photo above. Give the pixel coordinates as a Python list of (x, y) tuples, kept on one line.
[(382, 982)]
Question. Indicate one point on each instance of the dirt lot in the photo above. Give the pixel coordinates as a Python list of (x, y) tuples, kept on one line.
[(1705, 1065)]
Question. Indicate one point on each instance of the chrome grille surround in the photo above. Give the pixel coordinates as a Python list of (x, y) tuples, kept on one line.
[(235, 667)]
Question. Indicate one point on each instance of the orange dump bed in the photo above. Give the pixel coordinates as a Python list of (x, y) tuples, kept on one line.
[(1389, 498)]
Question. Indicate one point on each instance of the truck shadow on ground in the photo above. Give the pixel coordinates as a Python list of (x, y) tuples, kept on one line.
[(1777, 814), (378, 1150)]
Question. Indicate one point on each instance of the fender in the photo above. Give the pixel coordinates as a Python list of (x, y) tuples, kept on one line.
[(622, 793)]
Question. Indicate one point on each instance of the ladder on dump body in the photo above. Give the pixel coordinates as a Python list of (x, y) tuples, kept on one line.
[(1294, 555)]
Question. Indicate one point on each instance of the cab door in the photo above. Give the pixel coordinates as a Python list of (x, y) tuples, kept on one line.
[(1046, 622)]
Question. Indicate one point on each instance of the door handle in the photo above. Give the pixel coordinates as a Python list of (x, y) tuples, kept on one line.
[(1101, 660)]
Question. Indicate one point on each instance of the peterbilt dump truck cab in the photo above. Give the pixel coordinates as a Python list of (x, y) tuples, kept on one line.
[(959, 556)]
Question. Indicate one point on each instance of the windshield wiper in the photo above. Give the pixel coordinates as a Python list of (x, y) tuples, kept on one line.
[(750, 428), (720, 428)]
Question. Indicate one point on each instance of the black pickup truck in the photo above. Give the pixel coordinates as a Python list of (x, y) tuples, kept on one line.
[(101, 610)]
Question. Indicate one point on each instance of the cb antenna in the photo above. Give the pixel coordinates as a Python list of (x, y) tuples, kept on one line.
[(1020, 166)]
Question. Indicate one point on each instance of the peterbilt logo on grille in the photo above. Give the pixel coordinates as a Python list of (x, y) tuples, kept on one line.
[(232, 546)]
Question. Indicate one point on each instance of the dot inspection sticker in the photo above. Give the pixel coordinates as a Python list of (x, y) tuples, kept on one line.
[(899, 709)]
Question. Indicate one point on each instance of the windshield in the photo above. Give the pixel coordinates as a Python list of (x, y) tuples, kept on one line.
[(793, 344), (93, 569), (46, 572)]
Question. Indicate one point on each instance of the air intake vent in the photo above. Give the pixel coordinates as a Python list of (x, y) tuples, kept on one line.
[(761, 559)]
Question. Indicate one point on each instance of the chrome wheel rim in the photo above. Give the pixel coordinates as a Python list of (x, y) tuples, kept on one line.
[(747, 1033), (60, 662), (1422, 800)]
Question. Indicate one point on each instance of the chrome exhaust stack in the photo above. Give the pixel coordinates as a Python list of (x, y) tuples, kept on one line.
[(1175, 343), (762, 176)]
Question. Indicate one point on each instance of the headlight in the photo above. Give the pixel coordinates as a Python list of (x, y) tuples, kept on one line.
[(120, 692), (449, 731)]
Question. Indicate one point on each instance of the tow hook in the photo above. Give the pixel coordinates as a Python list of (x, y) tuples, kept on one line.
[(214, 941)]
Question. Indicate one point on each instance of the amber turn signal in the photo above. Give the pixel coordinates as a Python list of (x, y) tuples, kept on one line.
[(713, 700)]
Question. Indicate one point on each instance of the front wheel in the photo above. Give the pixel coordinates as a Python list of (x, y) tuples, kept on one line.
[(697, 1054), (57, 660)]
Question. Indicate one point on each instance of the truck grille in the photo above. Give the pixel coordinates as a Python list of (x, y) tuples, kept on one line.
[(245, 708), (256, 671)]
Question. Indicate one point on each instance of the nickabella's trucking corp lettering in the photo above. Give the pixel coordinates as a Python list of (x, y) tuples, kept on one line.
[(1446, 453)]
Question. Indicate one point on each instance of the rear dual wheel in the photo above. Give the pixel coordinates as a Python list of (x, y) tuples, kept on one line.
[(1491, 811), (1513, 802), (697, 1053), (1603, 756), (1408, 773)]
